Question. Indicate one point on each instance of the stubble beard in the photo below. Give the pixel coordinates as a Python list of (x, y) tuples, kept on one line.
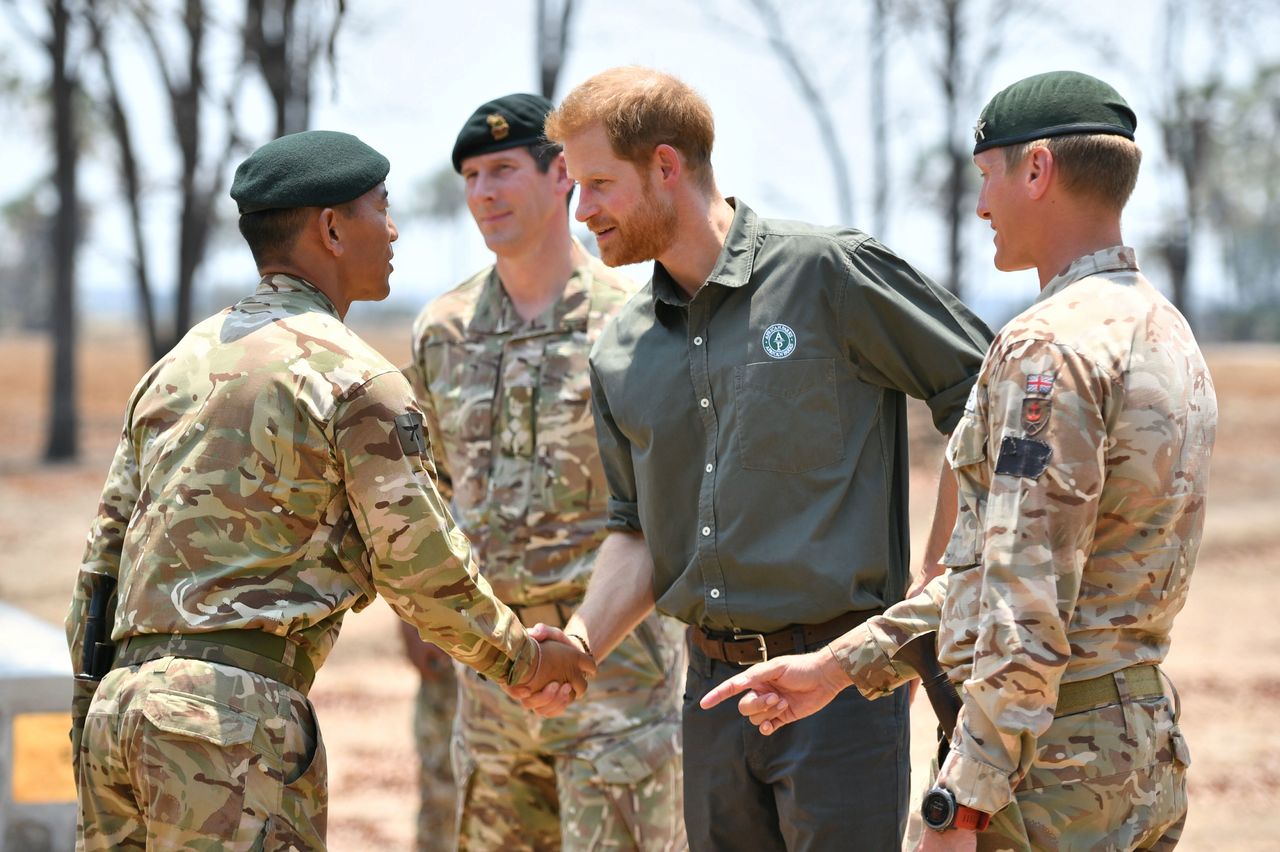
[(643, 235)]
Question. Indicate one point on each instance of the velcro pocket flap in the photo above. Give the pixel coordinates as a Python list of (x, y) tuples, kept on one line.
[(198, 717), (638, 755)]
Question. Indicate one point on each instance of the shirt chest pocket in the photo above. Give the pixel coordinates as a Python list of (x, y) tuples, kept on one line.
[(788, 415)]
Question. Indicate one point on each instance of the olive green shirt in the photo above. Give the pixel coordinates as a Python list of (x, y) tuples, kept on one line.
[(756, 433)]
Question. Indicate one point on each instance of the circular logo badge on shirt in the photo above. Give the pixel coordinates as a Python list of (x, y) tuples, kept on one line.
[(779, 340)]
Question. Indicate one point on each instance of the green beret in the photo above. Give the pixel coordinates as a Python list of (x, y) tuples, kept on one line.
[(1059, 103), (314, 168), (511, 121)]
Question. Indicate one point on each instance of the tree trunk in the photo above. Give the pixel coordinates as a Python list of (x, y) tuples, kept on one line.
[(957, 162), (130, 178), (817, 104), (62, 443), (879, 120), (552, 34)]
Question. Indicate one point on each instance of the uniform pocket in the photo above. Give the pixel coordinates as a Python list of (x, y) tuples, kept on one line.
[(195, 716), (636, 755), (788, 415)]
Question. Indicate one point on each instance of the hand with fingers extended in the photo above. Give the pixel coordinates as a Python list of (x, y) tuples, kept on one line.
[(560, 676), (784, 689)]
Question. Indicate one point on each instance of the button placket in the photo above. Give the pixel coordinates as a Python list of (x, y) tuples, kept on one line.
[(699, 364)]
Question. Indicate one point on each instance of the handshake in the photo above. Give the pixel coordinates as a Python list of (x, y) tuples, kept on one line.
[(560, 675)]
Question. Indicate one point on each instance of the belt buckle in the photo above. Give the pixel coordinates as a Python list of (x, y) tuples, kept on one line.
[(759, 639)]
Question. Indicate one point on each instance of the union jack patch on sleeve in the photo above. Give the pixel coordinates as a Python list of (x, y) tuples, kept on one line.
[(1040, 383)]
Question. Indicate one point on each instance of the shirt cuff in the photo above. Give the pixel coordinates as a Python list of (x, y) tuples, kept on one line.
[(521, 665), (863, 657), (947, 406), (975, 784), (623, 516)]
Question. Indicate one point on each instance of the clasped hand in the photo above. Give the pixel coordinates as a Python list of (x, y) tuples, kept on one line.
[(560, 677)]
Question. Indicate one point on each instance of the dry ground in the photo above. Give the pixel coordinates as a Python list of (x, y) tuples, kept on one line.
[(1225, 659)]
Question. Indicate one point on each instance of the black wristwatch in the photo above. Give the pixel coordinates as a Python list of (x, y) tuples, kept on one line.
[(940, 812)]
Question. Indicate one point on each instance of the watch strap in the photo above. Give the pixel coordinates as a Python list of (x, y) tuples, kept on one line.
[(970, 819)]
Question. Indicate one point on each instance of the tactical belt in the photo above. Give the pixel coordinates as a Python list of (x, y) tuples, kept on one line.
[(1141, 682), (554, 613), (271, 656), (748, 648)]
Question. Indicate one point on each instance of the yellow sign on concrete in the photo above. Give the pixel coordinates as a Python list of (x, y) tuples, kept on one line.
[(42, 758)]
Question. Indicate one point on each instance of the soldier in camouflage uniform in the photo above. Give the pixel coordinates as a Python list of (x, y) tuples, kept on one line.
[(273, 474), (500, 367), (1083, 461)]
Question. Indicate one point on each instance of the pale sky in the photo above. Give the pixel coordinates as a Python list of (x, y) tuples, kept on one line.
[(411, 73)]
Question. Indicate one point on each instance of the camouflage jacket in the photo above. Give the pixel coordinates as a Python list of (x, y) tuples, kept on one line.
[(1083, 462), (261, 483), (508, 403)]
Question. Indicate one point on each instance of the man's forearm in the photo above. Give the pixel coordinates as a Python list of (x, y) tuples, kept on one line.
[(944, 521), (619, 596)]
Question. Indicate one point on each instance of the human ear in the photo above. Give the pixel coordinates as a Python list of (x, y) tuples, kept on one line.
[(668, 162), (1040, 170), (330, 237)]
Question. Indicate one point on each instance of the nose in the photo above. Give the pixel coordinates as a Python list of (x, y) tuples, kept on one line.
[(392, 230), (982, 210), (586, 208)]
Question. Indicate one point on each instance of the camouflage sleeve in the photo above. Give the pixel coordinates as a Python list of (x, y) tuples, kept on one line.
[(106, 538), (866, 652), (615, 457), (420, 562), (907, 333), (1047, 422), (418, 372)]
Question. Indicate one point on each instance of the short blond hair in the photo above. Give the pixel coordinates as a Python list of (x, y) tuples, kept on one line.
[(640, 109), (1101, 166)]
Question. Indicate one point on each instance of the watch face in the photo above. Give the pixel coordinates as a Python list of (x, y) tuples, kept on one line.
[(938, 810)]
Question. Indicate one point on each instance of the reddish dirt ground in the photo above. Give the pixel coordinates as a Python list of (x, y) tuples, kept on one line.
[(1225, 659)]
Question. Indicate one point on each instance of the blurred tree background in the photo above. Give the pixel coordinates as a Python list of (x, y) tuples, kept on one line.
[(136, 111)]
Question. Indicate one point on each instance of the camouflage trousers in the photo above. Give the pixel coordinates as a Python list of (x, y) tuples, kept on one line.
[(604, 776), (1109, 778), (433, 733), (186, 754)]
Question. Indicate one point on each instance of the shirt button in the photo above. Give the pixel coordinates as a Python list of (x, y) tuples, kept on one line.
[(706, 530), (705, 402), (697, 341), (715, 593), (710, 467)]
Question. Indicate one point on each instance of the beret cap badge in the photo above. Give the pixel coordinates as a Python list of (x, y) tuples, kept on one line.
[(498, 126), (511, 121)]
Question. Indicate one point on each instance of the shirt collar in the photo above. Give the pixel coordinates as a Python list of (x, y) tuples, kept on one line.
[(1113, 259), (279, 283), (733, 265)]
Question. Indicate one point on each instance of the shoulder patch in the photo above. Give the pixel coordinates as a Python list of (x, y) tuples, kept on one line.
[(1035, 414), (1023, 457), (413, 439)]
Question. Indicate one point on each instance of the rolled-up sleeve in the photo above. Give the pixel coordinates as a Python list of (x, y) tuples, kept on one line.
[(866, 653), (615, 457), (907, 333)]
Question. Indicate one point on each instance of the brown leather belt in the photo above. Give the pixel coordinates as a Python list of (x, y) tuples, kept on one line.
[(745, 649), (553, 613)]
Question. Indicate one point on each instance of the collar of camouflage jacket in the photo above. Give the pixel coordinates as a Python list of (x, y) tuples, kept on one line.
[(280, 283), (1113, 259), (495, 313)]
